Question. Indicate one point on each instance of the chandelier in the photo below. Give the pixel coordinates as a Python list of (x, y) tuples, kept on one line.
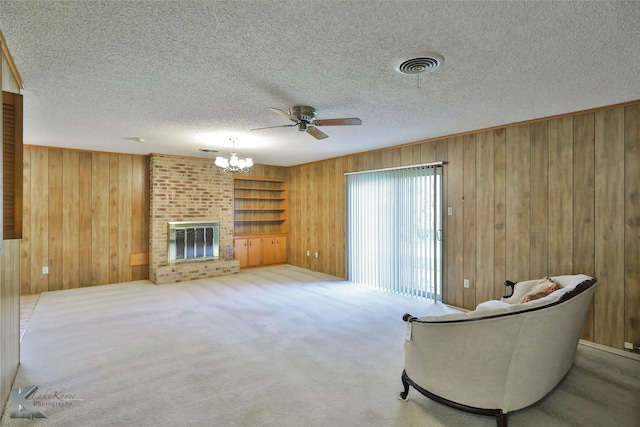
[(234, 164)]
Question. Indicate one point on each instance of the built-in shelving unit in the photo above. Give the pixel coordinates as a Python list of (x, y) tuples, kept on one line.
[(260, 220)]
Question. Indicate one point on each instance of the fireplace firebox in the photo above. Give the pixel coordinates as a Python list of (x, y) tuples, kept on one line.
[(193, 241)]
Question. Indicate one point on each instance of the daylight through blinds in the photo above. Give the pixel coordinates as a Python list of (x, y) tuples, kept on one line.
[(394, 228)]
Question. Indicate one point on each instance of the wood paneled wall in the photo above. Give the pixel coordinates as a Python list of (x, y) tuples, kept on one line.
[(9, 316), (84, 214), (549, 197)]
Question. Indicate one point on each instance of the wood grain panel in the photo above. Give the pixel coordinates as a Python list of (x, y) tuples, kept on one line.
[(56, 193), (518, 213), (485, 199), (583, 205), (85, 218), (428, 152), (25, 246), (39, 220), (455, 249), (632, 225), (100, 232), (560, 196), (294, 244), (469, 220), (539, 200), (328, 205), (9, 315), (609, 227), (340, 215), (138, 183), (500, 224), (442, 155), (70, 219), (377, 159), (114, 209)]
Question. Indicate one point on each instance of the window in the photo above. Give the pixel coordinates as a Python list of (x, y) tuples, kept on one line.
[(394, 222)]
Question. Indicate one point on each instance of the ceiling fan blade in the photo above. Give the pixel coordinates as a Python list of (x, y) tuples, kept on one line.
[(273, 127), (339, 122), (284, 114), (316, 133)]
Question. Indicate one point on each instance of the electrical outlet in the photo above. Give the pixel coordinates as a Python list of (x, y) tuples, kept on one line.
[(450, 210), (308, 252), (628, 345), (466, 283), (316, 254), (45, 270)]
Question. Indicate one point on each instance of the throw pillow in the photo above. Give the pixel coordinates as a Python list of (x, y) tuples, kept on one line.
[(542, 289)]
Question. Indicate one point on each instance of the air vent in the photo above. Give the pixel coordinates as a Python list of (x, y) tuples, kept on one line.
[(420, 65)]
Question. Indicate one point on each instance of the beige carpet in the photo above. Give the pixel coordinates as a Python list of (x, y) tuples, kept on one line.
[(278, 346), (27, 304)]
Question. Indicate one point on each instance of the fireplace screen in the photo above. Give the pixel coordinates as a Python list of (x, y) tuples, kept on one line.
[(193, 241)]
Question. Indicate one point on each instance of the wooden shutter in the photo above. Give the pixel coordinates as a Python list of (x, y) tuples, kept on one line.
[(12, 164)]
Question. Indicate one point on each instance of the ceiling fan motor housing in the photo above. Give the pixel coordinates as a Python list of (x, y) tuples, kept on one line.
[(303, 113)]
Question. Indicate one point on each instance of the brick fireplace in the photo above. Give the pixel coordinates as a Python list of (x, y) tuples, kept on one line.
[(187, 189)]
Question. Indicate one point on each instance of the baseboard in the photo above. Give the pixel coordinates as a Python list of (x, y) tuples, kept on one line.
[(612, 350)]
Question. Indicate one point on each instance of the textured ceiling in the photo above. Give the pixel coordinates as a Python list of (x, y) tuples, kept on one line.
[(186, 75)]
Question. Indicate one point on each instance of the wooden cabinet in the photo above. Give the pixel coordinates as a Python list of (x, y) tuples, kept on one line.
[(269, 250), (260, 250), (260, 220), (281, 249), (274, 249), (248, 251)]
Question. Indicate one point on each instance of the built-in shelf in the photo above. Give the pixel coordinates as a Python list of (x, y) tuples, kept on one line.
[(260, 220)]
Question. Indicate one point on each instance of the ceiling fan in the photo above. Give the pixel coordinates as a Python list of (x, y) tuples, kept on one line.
[(305, 118)]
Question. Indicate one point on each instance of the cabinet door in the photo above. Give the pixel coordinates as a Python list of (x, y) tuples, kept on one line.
[(241, 252), (255, 252), (269, 250), (281, 249)]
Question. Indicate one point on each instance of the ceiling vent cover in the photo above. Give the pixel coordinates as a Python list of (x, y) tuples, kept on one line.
[(420, 65)]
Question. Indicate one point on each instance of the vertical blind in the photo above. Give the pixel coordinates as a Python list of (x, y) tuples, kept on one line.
[(394, 222)]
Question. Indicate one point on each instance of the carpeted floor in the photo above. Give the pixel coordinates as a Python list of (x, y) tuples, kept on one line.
[(27, 304), (277, 346)]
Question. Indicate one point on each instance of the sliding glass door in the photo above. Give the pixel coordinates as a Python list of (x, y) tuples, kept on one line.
[(394, 224)]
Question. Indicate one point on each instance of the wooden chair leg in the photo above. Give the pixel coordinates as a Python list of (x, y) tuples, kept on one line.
[(501, 420)]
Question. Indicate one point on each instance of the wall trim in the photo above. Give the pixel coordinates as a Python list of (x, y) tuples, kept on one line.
[(12, 65)]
